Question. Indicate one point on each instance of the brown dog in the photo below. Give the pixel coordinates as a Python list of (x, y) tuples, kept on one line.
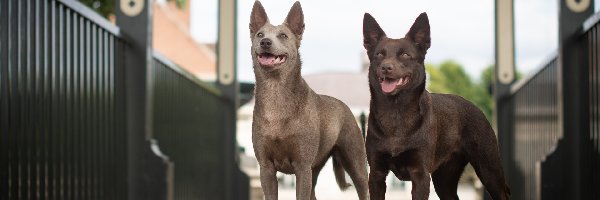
[(295, 130), (417, 135)]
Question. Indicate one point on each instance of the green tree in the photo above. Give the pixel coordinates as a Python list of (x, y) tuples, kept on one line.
[(450, 78), (102, 7), (107, 7), (485, 85)]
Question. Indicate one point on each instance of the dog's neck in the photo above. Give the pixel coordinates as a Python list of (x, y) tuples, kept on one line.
[(408, 102), (281, 93), (406, 109)]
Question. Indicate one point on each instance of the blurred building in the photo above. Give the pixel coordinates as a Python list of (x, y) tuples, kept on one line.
[(173, 39)]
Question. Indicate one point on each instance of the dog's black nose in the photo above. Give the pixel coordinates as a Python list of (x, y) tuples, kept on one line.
[(265, 43), (386, 67)]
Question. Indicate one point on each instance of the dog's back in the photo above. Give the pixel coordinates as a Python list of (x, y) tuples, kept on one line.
[(459, 122)]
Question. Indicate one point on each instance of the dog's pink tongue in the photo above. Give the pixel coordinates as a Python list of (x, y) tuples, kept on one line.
[(388, 85), (266, 60)]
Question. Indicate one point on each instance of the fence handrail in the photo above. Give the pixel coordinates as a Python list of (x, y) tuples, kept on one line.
[(587, 25), (590, 22), (93, 16), (525, 80), (204, 85)]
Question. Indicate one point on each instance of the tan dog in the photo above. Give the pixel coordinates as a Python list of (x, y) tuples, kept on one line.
[(295, 130)]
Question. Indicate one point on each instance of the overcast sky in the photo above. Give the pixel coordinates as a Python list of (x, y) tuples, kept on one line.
[(461, 30)]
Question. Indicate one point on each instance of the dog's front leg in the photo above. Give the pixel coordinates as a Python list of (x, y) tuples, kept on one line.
[(377, 185), (303, 183), (420, 184), (268, 181), (378, 171)]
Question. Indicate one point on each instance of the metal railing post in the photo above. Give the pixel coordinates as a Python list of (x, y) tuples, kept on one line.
[(503, 80), (147, 169), (573, 96), (237, 182)]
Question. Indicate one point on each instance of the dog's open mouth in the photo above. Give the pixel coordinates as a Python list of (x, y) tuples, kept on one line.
[(270, 60), (388, 85)]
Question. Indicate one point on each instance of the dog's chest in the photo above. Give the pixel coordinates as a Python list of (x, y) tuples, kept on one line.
[(397, 133), (392, 123), (282, 154), (283, 150)]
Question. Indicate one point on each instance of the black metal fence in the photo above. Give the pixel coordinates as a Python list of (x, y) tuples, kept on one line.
[(554, 156), (536, 130), (63, 126), (591, 37), (62, 136), (188, 122)]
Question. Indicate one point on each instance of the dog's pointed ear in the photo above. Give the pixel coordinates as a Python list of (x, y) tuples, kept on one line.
[(295, 19), (419, 33), (258, 18), (372, 32)]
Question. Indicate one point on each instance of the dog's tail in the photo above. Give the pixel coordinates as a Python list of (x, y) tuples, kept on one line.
[(340, 174)]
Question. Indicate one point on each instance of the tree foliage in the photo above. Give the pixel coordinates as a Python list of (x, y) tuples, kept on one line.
[(450, 78), (107, 7), (102, 7)]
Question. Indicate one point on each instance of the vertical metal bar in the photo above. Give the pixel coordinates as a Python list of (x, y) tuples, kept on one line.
[(94, 113), (101, 118), (54, 104), (528, 141), (13, 162), (60, 71), (120, 103), (18, 100), (87, 112), (4, 139), (81, 110), (28, 100), (595, 104), (46, 104), (69, 89), (112, 159), (108, 127), (35, 104), (113, 129), (4, 108), (592, 57), (76, 33), (92, 110), (76, 148), (104, 118)]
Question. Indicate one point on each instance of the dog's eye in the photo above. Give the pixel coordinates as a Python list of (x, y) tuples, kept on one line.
[(260, 35), (283, 35), (379, 55), (405, 55)]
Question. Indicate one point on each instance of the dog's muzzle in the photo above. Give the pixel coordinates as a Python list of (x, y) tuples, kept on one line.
[(270, 60)]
